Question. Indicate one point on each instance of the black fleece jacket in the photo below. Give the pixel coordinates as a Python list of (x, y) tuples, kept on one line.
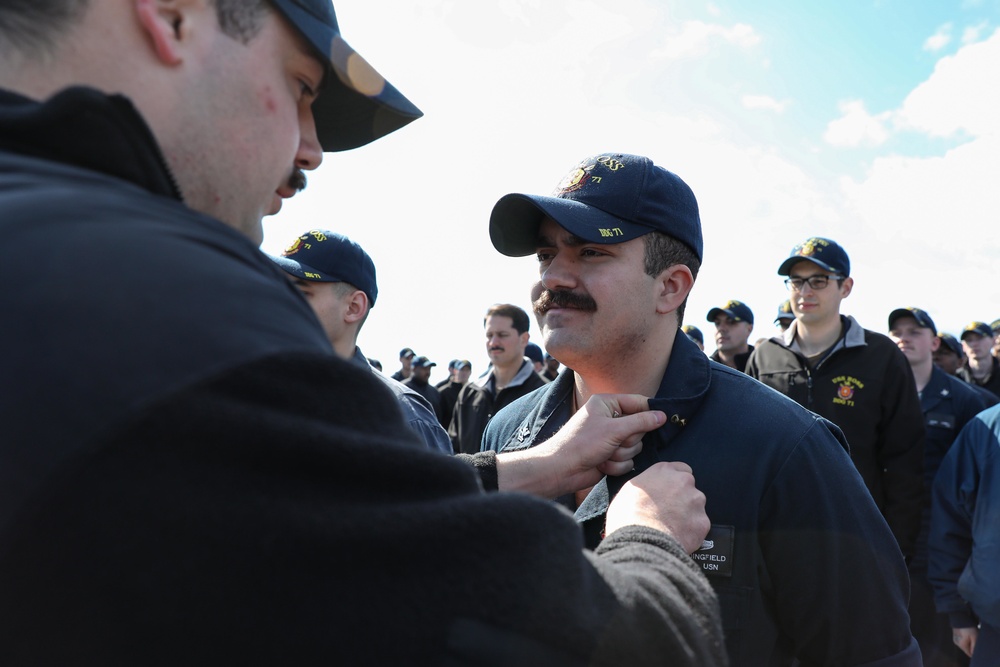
[(188, 475), (865, 386)]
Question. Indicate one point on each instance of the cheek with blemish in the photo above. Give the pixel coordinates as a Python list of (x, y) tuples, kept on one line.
[(267, 97)]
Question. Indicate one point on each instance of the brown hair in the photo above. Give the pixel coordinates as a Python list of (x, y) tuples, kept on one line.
[(34, 26), (518, 317), (664, 251)]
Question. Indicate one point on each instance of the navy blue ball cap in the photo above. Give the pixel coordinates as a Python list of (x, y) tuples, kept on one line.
[(694, 333), (980, 328), (327, 257), (606, 198), (951, 343), (734, 310), (356, 105), (824, 253), (995, 325), (924, 320), (423, 362), (785, 312), (533, 352)]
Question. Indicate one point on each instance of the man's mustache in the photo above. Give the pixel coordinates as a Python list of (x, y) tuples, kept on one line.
[(562, 299), (297, 180)]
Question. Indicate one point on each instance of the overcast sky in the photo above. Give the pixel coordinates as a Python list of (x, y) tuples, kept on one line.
[(874, 123)]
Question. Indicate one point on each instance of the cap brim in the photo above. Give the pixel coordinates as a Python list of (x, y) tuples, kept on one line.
[(303, 271), (715, 312), (898, 313), (787, 265), (356, 105), (923, 321), (516, 218)]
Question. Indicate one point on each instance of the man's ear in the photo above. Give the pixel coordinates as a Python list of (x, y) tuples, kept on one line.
[(845, 290), (357, 307), (674, 284), (165, 23)]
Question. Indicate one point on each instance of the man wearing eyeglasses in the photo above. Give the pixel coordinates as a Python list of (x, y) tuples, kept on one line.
[(856, 378)]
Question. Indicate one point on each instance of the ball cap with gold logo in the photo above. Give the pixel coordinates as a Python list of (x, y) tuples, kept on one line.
[(923, 320), (356, 105), (737, 311), (824, 253), (784, 312), (322, 256), (979, 328), (694, 333), (605, 198)]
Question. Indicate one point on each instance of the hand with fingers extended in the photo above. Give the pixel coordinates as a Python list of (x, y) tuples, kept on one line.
[(663, 497), (601, 439)]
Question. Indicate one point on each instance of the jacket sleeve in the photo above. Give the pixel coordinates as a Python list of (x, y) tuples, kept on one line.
[(485, 464), (455, 427), (900, 454), (280, 513), (751, 367), (953, 502), (665, 600)]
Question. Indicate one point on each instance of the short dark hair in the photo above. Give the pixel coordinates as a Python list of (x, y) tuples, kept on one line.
[(342, 289), (517, 316), (240, 19), (662, 252), (33, 26)]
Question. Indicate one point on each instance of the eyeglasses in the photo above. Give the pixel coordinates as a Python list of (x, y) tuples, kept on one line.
[(815, 282)]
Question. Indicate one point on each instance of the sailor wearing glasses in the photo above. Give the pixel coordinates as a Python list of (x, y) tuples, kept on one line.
[(856, 378)]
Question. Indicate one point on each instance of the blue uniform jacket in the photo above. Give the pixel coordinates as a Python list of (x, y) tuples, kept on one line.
[(948, 405), (965, 525), (417, 412), (803, 562)]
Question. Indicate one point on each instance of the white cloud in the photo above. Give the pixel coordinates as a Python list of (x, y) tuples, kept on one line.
[(764, 102), (974, 32), (934, 218), (960, 96), (939, 39), (696, 38), (920, 213), (857, 127)]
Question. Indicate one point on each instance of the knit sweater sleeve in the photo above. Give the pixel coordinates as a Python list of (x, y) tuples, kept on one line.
[(280, 512)]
